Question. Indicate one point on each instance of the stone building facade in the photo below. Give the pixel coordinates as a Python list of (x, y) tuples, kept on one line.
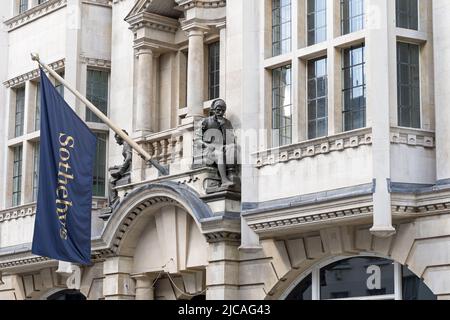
[(339, 109)]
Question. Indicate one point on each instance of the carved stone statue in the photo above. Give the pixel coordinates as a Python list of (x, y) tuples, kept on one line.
[(218, 141), (120, 174)]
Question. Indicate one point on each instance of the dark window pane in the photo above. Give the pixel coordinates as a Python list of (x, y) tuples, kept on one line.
[(23, 5), (407, 14), (317, 98), (214, 70), (20, 112), (36, 170), (100, 166), (357, 277), (352, 15), (97, 93), (281, 27), (316, 21), (408, 86), (17, 176), (37, 116), (353, 91), (413, 288), (303, 291)]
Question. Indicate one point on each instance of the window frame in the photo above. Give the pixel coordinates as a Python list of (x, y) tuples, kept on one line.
[(17, 173), (410, 86), (278, 109), (409, 21), (345, 89), (214, 70), (315, 28), (19, 112), (89, 115), (316, 99), (349, 18), (277, 51), (95, 175), (36, 162)]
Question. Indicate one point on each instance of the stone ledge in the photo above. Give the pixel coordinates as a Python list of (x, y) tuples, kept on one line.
[(34, 13), (312, 148), (34, 74)]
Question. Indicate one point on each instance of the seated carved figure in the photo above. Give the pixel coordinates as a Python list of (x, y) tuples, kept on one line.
[(218, 141), (119, 172)]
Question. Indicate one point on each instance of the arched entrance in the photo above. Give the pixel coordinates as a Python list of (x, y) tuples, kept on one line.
[(67, 295), (358, 278), (159, 249)]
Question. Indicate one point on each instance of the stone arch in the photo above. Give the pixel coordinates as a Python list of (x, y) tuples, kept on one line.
[(156, 231), (151, 197), (423, 245)]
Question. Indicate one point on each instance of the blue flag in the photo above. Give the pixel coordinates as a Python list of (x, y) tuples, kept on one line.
[(62, 228)]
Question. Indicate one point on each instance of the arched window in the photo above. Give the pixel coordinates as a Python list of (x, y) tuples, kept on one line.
[(360, 278)]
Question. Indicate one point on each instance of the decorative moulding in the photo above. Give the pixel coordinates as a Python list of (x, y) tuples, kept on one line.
[(34, 13), (34, 74)]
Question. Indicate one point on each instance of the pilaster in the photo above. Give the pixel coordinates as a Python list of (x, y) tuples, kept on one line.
[(377, 53), (118, 284)]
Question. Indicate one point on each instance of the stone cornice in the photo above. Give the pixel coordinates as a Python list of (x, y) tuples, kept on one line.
[(206, 4), (102, 3), (312, 148), (18, 212), (35, 13), (28, 260), (95, 62), (301, 216), (34, 74), (153, 21), (412, 137)]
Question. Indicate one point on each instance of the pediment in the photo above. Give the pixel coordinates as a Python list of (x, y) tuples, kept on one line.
[(164, 8)]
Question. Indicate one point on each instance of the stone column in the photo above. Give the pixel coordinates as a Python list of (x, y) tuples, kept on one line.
[(118, 284), (441, 25), (222, 272), (144, 287), (196, 69), (145, 113), (377, 53)]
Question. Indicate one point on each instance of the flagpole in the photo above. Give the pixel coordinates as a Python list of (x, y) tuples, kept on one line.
[(144, 154)]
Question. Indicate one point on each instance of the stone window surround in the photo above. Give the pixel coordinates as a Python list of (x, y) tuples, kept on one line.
[(331, 49), (36, 11), (31, 136)]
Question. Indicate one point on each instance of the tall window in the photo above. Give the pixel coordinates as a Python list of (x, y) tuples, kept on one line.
[(354, 88), (214, 70), (407, 12), (317, 98), (317, 21), (17, 176), (37, 148), (352, 15), (281, 106), (23, 6), (37, 116), (98, 189), (20, 112), (97, 93), (408, 85), (281, 26)]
